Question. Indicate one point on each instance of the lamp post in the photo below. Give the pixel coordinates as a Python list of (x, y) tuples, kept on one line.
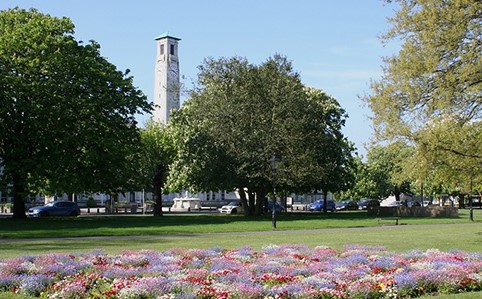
[(471, 214), (274, 167)]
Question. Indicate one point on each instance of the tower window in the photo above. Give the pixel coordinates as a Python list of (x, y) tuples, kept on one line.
[(172, 50), (162, 49)]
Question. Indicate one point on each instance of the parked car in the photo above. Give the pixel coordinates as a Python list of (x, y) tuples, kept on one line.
[(346, 205), (365, 203), (392, 203), (414, 204), (427, 203), (319, 204), (279, 208), (55, 208), (232, 208)]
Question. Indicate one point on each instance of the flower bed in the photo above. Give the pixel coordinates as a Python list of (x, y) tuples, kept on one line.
[(288, 271)]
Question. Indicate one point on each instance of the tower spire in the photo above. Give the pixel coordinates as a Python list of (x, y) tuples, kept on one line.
[(166, 77)]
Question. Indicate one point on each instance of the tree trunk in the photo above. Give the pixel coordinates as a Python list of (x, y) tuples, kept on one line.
[(260, 202), (18, 197), (252, 202), (462, 201), (115, 201), (157, 189), (325, 201), (244, 201), (283, 200), (71, 197), (397, 196)]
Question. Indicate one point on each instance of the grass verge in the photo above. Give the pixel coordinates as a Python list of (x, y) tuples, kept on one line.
[(117, 233), (197, 224)]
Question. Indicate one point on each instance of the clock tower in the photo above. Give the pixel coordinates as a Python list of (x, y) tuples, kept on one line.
[(166, 78)]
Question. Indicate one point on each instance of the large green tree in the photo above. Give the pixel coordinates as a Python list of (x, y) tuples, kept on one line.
[(240, 116), (384, 167), (444, 171), (336, 163), (431, 91), (155, 156), (384, 173), (363, 185), (67, 115)]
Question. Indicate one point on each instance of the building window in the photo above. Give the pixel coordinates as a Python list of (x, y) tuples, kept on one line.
[(162, 49), (172, 50)]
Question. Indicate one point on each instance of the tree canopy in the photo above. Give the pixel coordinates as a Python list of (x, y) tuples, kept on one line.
[(67, 115), (431, 92), (383, 174), (155, 156), (241, 115), (385, 166)]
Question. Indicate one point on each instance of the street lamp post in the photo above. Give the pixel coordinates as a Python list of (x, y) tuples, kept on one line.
[(274, 167), (471, 215)]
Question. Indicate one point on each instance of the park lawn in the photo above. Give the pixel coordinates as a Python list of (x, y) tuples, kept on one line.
[(394, 238), (196, 223), (116, 233)]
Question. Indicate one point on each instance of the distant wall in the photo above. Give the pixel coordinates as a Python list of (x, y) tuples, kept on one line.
[(402, 211)]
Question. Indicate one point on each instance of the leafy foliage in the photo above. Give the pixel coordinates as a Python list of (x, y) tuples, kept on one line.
[(363, 185), (241, 115), (384, 173), (155, 156), (66, 115), (385, 167), (431, 91), (444, 171)]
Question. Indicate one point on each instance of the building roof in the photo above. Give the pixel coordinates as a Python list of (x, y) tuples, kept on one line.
[(167, 35)]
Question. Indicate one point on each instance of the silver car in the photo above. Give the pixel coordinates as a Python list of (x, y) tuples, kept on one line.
[(232, 208), (55, 208)]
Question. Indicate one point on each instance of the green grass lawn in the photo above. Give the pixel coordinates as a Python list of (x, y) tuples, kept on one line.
[(117, 233), (197, 223)]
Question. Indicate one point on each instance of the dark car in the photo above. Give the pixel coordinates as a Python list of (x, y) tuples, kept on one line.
[(319, 204), (346, 205), (366, 203), (279, 208), (55, 208)]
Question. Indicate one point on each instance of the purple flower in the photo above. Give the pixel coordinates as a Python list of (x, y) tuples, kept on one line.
[(32, 285), (318, 283), (9, 282), (383, 262), (406, 280), (282, 271)]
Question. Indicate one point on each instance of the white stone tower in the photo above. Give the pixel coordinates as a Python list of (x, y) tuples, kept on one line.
[(166, 78)]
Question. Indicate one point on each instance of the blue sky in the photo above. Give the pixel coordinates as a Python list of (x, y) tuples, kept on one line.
[(333, 44)]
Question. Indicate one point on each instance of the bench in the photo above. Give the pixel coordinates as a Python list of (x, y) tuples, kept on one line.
[(388, 218)]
